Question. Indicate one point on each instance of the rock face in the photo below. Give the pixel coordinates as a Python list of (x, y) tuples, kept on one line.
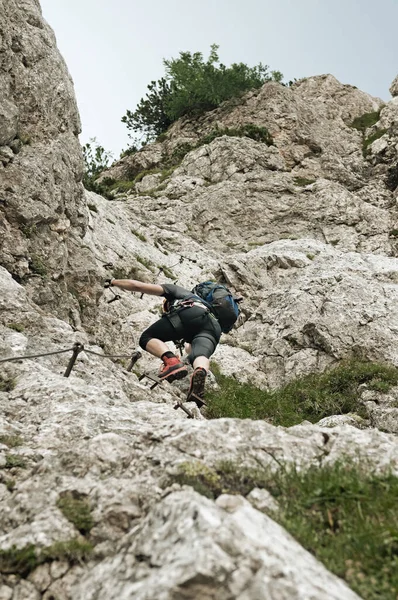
[(305, 229), (42, 205)]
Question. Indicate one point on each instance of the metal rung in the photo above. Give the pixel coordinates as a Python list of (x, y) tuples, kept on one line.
[(151, 377)]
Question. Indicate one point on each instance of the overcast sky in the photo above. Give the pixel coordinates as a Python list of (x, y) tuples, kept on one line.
[(114, 48)]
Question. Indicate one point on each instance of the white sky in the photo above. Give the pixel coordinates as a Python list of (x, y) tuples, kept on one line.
[(115, 48)]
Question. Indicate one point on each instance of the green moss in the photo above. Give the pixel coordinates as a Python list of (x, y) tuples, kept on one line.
[(365, 121), (76, 508), (16, 327), (309, 398), (303, 182)]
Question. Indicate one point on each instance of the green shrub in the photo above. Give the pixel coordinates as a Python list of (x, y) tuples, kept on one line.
[(311, 398), (192, 86), (96, 160)]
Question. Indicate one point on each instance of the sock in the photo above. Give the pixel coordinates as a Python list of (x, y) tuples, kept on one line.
[(167, 355)]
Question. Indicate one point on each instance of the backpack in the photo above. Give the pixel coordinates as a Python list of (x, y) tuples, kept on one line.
[(220, 301)]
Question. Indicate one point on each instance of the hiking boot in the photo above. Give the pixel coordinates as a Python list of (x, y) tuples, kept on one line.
[(172, 369), (196, 391)]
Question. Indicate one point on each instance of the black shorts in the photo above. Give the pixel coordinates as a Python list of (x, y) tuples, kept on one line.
[(199, 329)]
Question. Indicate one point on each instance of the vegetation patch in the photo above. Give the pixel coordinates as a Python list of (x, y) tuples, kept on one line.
[(13, 460), (16, 327), (140, 236), (7, 383), (12, 441), (167, 272), (28, 230), (147, 263), (37, 266), (303, 182), (92, 207), (310, 398), (365, 121), (346, 517), (22, 561), (76, 508), (372, 138)]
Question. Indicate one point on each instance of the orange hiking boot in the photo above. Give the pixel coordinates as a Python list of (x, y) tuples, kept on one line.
[(172, 369), (196, 391)]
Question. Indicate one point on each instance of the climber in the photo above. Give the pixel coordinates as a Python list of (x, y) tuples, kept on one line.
[(185, 316)]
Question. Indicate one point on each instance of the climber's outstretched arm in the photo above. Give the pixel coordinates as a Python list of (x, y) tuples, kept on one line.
[(132, 285)]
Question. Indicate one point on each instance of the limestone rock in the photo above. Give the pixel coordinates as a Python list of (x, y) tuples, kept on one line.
[(216, 552), (394, 87)]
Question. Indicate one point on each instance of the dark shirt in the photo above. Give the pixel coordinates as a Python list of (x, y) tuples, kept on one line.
[(174, 292)]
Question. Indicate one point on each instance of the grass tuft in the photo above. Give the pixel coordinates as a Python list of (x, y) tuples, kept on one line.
[(13, 460), (12, 441), (76, 508), (343, 514), (310, 398), (22, 561)]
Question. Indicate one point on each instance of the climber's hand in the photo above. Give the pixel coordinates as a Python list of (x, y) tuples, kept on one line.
[(108, 283)]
